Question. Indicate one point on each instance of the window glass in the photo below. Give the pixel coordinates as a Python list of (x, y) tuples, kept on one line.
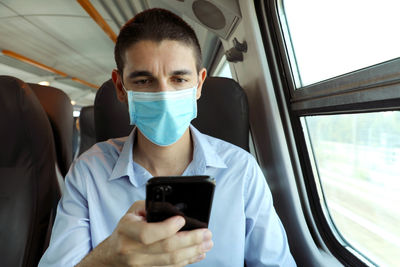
[(357, 158), (330, 38), (223, 69)]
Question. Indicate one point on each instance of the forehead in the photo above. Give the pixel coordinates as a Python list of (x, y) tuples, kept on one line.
[(167, 54)]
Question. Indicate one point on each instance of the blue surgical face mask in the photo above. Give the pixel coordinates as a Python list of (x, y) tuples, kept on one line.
[(162, 117)]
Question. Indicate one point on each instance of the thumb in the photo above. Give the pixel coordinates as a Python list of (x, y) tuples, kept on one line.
[(148, 233)]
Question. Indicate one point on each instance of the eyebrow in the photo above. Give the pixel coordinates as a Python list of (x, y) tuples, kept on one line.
[(180, 72), (140, 73), (145, 73)]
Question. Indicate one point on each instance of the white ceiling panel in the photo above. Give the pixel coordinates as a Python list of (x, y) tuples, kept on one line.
[(88, 41), (112, 8), (60, 34), (17, 64), (99, 7), (83, 98), (20, 74), (87, 100), (127, 7), (85, 53), (5, 11), (22, 37), (45, 7)]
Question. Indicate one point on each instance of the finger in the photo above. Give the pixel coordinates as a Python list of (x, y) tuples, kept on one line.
[(176, 258), (138, 208), (197, 259), (187, 262), (148, 233), (180, 240), (190, 261)]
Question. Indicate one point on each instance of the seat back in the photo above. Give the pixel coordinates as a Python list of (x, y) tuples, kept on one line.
[(76, 139), (28, 183), (59, 110), (222, 112), (87, 132), (110, 115)]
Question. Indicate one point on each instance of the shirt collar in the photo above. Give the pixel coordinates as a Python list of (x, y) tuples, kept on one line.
[(204, 155), (124, 165)]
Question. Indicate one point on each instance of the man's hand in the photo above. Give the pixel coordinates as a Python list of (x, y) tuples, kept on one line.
[(135, 242)]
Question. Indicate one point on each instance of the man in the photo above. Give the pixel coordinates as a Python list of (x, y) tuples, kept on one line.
[(101, 216)]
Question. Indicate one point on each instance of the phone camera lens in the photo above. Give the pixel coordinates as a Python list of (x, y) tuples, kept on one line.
[(159, 192), (159, 189), (167, 189)]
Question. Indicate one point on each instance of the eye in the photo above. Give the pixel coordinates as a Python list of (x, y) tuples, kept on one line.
[(142, 82), (179, 80)]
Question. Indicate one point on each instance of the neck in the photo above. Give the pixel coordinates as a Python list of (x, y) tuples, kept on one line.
[(163, 161)]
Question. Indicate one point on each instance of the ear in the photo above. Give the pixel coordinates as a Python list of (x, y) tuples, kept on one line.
[(202, 78), (117, 80)]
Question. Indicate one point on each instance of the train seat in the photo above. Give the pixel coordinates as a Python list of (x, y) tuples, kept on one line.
[(222, 112), (87, 132), (28, 182), (110, 115), (59, 110)]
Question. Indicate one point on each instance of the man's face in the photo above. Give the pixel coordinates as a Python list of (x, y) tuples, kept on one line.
[(165, 66)]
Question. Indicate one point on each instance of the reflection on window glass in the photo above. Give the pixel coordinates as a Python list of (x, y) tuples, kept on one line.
[(357, 158), (331, 38)]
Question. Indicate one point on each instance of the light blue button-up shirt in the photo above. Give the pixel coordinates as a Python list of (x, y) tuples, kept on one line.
[(105, 181)]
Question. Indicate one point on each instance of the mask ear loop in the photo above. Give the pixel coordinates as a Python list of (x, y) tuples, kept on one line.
[(197, 88), (123, 87), (195, 99), (122, 82), (130, 106)]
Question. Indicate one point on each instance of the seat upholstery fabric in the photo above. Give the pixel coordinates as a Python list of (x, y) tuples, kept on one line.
[(28, 183), (59, 109), (222, 112), (87, 132), (111, 117)]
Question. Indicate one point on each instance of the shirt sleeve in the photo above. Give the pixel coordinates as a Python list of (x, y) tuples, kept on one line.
[(266, 241), (70, 238)]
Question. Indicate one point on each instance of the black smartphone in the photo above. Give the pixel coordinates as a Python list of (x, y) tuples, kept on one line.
[(188, 196)]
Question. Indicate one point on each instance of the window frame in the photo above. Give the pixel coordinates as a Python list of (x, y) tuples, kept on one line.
[(370, 89), (375, 88), (378, 83)]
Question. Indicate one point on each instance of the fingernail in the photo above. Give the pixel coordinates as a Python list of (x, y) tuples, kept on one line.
[(207, 245), (200, 257), (180, 221), (207, 235)]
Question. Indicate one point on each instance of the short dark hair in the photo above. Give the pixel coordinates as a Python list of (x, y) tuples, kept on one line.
[(156, 25)]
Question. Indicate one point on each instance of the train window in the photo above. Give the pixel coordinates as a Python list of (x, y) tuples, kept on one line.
[(338, 72), (223, 69), (357, 159), (331, 38)]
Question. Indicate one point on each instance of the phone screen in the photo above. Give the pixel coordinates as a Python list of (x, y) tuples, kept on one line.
[(188, 196)]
